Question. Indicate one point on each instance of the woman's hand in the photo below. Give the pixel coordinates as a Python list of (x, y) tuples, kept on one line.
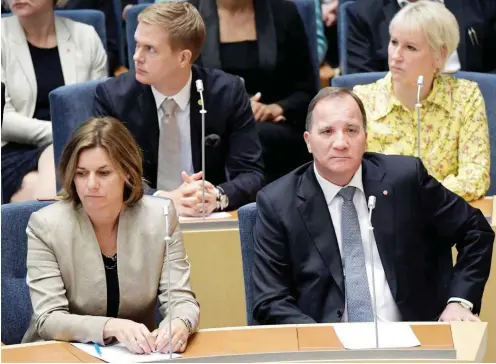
[(180, 334), (136, 337)]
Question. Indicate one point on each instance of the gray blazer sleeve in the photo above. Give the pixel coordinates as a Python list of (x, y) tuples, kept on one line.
[(48, 293), (183, 301)]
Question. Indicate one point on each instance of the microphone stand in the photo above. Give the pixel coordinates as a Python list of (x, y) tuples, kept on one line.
[(167, 263), (418, 105), (371, 205), (199, 87)]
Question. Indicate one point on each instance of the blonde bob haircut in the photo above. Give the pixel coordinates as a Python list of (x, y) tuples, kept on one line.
[(433, 19), (125, 155), (183, 23)]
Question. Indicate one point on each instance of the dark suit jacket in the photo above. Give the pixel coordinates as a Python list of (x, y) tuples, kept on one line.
[(229, 116), (368, 34), (110, 26), (298, 275), (284, 54)]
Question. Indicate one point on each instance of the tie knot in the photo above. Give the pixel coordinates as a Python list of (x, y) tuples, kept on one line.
[(347, 193), (169, 107)]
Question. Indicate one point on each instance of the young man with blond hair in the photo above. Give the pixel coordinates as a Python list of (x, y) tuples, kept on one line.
[(160, 105)]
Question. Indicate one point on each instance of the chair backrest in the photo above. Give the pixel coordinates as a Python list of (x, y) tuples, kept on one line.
[(70, 106), (246, 219), (343, 35), (117, 6), (16, 302), (487, 85), (96, 18), (131, 25)]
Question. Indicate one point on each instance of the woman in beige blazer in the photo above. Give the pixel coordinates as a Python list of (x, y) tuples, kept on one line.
[(97, 260), (40, 52)]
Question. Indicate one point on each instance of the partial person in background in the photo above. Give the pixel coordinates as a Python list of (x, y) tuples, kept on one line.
[(265, 43), (368, 34), (321, 38), (160, 105), (454, 136), (107, 7), (40, 52), (96, 261)]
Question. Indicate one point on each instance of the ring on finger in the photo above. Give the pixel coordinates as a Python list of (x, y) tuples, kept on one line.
[(180, 342)]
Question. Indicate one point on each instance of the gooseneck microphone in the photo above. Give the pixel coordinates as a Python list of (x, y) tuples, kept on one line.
[(199, 88), (167, 240), (418, 105), (371, 206)]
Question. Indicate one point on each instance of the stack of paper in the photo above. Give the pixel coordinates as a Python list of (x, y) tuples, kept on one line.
[(118, 353), (361, 335)]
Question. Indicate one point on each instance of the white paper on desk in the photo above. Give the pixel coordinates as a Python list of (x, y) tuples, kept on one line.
[(215, 215), (118, 353), (361, 335)]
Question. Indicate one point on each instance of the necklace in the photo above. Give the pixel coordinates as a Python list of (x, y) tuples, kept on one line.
[(110, 262)]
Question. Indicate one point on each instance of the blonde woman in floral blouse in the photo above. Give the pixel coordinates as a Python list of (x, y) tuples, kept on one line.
[(454, 137)]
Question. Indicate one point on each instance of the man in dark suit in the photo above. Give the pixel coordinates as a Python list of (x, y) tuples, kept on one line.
[(368, 34), (161, 107), (313, 245)]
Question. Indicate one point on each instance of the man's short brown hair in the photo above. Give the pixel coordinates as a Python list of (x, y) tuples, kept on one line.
[(329, 93), (125, 155), (181, 20)]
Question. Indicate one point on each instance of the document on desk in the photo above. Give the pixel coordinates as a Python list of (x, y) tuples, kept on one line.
[(118, 353), (361, 335), (215, 215)]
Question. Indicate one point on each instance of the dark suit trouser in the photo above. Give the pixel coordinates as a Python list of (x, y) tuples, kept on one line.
[(284, 148)]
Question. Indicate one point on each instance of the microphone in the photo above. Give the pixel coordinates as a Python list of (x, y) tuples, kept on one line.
[(212, 140), (371, 206), (199, 88), (167, 240), (418, 105)]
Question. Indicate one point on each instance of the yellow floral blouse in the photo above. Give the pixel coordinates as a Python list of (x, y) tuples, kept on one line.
[(454, 136)]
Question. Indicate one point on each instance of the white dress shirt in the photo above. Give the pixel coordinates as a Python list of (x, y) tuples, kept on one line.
[(453, 62), (387, 310), (182, 98), (386, 306)]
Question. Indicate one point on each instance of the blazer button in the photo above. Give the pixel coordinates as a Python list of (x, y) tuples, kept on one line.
[(340, 313)]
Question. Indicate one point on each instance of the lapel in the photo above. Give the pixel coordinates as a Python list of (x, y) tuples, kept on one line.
[(266, 34), (382, 216), (67, 51), (20, 48), (90, 265), (210, 55), (132, 293), (315, 215), (195, 118), (148, 132), (389, 8)]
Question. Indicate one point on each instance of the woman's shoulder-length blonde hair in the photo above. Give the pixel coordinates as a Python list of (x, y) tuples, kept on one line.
[(124, 153), (434, 20)]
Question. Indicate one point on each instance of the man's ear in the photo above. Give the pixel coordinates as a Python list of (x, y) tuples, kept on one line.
[(186, 57), (306, 136)]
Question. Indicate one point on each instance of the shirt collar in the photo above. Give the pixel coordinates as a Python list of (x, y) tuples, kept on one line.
[(385, 99), (331, 190), (182, 98)]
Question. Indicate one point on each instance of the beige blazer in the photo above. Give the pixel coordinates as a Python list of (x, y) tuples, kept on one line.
[(82, 57), (66, 275)]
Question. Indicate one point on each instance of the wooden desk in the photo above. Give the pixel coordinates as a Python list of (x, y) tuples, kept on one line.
[(469, 339), (214, 251), (488, 313)]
